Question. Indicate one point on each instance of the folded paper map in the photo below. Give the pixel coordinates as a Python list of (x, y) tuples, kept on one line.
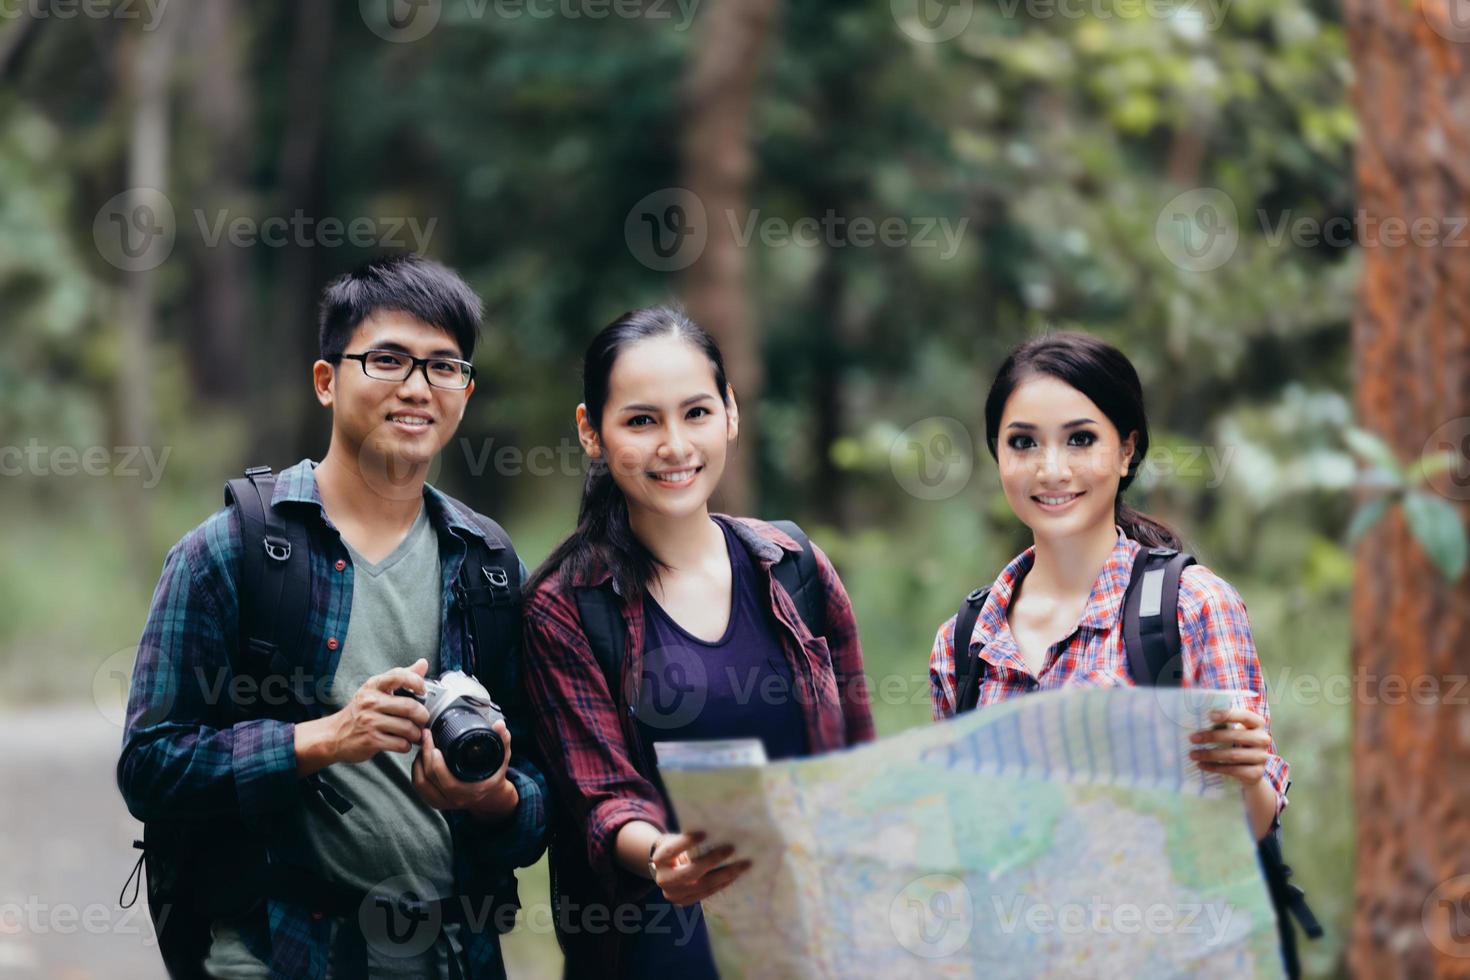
[(1062, 834)]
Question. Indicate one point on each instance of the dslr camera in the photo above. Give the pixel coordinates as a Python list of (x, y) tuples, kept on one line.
[(461, 719)]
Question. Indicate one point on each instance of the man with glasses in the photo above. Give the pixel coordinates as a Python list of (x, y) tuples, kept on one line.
[(352, 797)]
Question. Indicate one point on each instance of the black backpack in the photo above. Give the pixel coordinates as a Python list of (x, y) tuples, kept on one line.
[(1151, 639), (574, 886), (186, 861)]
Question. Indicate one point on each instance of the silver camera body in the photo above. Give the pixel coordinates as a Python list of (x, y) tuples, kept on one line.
[(462, 716)]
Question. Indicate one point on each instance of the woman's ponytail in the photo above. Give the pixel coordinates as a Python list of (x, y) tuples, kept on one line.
[(1147, 531)]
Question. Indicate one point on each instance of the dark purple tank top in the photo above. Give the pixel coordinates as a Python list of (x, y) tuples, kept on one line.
[(740, 686)]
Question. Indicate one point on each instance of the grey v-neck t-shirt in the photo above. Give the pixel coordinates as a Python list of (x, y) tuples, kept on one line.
[(390, 839)]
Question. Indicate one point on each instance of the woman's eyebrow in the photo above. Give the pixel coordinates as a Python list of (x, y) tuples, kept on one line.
[(641, 407), (1070, 425)]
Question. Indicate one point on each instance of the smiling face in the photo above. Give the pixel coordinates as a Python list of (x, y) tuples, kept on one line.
[(392, 423), (1061, 459), (665, 431)]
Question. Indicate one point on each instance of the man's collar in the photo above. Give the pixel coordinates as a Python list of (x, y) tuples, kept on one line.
[(297, 485)]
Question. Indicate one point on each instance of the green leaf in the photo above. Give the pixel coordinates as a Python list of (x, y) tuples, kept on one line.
[(1368, 515), (1436, 524), (1372, 450), (1432, 465)]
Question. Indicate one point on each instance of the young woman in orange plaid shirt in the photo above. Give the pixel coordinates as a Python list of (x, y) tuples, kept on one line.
[(1065, 422)]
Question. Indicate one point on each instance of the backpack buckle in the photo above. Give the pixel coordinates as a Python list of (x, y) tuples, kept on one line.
[(497, 577), (277, 548), (1163, 552), (975, 596), (253, 471)]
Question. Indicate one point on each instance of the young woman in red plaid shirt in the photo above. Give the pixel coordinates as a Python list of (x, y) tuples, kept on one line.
[(1065, 422), (713, 647)]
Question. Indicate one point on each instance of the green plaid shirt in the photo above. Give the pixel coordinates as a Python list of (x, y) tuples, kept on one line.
[(186, 753)]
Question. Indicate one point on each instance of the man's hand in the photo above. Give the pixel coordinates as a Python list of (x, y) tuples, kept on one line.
[(488, 800), (375, 720)]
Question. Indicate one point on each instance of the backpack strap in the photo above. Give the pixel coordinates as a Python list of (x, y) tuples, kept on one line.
[(275, 579), (1151, 617), (1287, 898), (602, 623), (488, 591), (801, 577), (969, 665)]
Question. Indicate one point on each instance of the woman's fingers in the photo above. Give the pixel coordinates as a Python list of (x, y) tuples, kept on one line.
[(1233, 736), (1243, 716), (1231, 757), (715, 881), (672, 845)]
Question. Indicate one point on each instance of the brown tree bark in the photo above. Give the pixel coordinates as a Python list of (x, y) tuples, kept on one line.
[(1411, 337), (717, 163)]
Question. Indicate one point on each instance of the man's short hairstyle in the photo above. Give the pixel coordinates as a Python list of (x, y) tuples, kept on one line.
[(410, 284)]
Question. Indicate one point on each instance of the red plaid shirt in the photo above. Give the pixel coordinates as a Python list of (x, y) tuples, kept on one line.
[(587, 734), (1214, 633)]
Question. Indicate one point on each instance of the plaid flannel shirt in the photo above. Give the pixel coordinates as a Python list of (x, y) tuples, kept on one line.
[(1214, 633), (186, 753), (589, 738)]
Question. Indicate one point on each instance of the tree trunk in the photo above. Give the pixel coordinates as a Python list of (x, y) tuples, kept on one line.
[(1411, 338), (221, 108), (145, 69), (717, 163), (298, 426)]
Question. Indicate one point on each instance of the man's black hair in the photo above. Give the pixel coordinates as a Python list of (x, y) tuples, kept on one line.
[(410, 284)]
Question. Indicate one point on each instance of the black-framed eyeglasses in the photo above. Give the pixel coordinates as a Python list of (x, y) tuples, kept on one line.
[(393, 365)]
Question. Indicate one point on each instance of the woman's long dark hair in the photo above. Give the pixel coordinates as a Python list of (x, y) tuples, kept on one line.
[(603, 536), (1102, 373)]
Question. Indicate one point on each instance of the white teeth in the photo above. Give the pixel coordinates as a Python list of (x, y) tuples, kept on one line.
[(681, 476), (408, 419), (1055, 501)]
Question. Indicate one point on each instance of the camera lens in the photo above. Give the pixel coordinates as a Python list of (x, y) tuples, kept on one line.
[(472, 749)]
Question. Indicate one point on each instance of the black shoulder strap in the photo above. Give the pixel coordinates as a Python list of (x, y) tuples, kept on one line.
[(800, 576), (275, 579), (1151, 617), (969, 665), (489, 593), (602, 623)]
